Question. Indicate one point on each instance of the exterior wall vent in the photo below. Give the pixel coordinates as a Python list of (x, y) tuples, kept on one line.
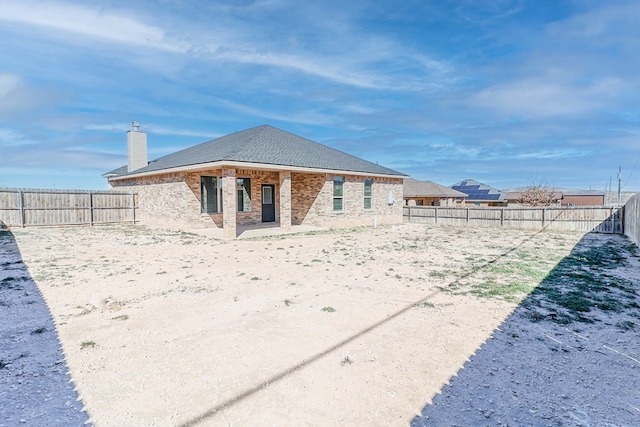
[(137, 148)]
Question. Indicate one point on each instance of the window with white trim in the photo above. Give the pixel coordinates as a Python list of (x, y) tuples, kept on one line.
[(368, 185), (338, 193)]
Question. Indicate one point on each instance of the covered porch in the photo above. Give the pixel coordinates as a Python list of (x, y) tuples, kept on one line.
[(277, 199)]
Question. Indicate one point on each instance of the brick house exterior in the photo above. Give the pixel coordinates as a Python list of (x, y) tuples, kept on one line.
[(262, 175), (427, 193)]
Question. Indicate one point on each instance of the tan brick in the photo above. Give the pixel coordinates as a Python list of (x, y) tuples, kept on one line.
[(174, 200)]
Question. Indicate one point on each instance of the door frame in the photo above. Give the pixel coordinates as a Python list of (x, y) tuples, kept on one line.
[(272, 210)]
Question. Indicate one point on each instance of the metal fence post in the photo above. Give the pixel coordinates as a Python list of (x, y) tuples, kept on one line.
[(613, 223), (133, 207), (436, 215), (90, 208), (21, 206)]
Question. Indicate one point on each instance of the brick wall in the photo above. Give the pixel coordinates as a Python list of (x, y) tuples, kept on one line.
[(167, 200), (174, 200), (257, 179), (312, 201)]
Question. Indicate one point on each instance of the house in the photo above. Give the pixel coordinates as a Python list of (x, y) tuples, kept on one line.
[(479, 194), (582, 198), (565, 197), (427, 193), (259, 175), (541, 197)]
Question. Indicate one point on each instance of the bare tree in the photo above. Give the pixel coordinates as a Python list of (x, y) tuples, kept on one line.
[(538, 195)]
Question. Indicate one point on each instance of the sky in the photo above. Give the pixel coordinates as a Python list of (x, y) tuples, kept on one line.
[(511, 93)]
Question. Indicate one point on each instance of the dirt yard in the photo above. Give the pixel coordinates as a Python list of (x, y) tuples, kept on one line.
[(356, 327)]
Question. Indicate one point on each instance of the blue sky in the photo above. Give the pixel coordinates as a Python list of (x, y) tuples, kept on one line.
[(507, 92)]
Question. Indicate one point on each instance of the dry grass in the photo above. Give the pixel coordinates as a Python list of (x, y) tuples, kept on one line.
[(346, 326)]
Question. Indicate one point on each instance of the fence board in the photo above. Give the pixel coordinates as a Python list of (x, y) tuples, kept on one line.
[(34, 207), (602, 219), (632, 219)]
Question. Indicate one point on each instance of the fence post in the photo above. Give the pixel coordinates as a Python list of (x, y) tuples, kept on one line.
[(544, 215), (502, 217), (21, 206), (409, 207), (613, 223), (436, 215), (133, 207), (467, 215), (90, 208)]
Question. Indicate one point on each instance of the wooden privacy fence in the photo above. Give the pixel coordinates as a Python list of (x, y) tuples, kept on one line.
[(632, 219), (29, 207), (600, 218)]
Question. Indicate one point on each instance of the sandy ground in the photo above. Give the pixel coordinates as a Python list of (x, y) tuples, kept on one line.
[(342, 327), (569, 355), (35, 387)]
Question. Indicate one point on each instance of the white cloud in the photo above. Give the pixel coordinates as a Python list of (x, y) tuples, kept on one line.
[(121, 127), (305, 117), (89, 21), (9, 83), (18, 97), (335, 68), (551, 154), (487, 11), (11, 138), (161, 130), (151, 129), (542, 97), (359, 61), (619, 20)]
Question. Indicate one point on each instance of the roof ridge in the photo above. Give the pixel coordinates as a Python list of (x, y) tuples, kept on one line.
[(266, 144)]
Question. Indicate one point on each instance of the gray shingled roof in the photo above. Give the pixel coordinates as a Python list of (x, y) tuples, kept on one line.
[(267, 145), (414, 188), (116, 172)]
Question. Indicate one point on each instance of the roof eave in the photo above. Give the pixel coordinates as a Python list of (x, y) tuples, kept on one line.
[(248, 165)]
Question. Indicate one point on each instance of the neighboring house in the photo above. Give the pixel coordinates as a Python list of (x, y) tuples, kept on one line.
[(427, 193), (479, 194), (259, 175), (567, 197), (582, 198), (516, 197)]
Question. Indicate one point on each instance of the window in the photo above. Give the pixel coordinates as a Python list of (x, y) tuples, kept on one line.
[(367, 193), (209, 191), (244, 195), (338, 192), (267, 195)]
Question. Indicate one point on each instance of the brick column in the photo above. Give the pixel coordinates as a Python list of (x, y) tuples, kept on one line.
[(285, 200), (229, 203)]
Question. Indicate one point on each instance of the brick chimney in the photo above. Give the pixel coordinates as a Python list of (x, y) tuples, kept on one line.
[(137, 148)]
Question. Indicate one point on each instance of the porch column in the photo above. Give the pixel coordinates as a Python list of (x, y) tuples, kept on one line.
[(285, 200), (229, 203)]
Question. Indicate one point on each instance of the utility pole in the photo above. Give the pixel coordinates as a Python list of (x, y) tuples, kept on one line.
[(609, 195), (619, 183)]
